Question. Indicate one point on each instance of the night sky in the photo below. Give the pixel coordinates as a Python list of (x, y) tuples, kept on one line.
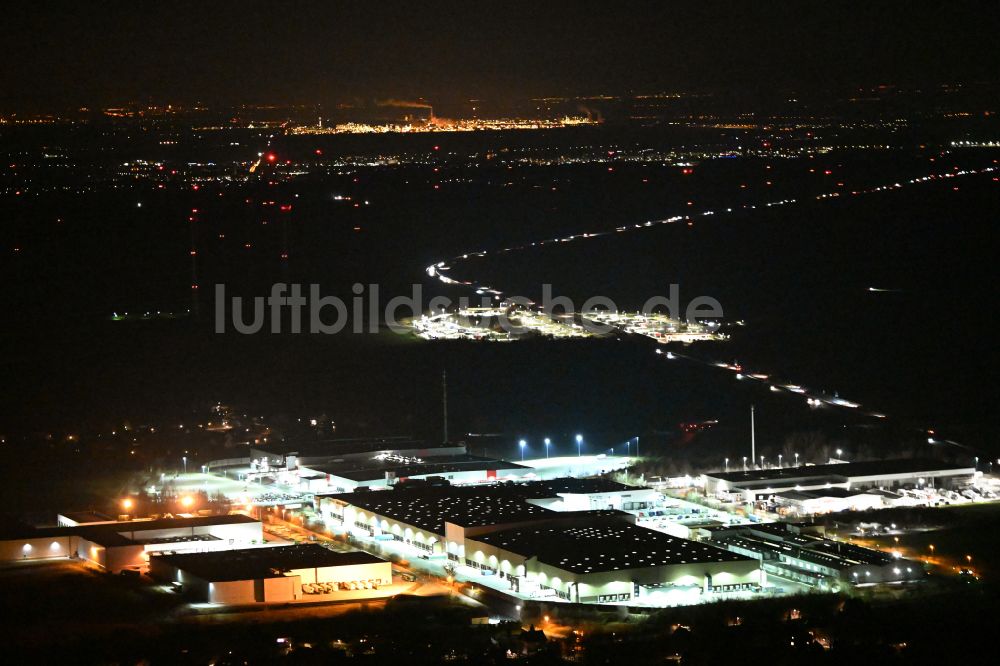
[(59, 55)]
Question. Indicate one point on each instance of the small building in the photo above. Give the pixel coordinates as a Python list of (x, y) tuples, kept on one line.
[(75, 518), (829, 500), (269, 575)]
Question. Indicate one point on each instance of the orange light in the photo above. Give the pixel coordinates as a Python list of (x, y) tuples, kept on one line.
[(187, 501), (127, 503)]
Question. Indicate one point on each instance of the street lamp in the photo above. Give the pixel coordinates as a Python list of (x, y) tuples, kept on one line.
[(840, 452), (727, 464), (185, 459), (797, 459), (579, 442), (547, 442), (522, 444), (762, 462), (744, 463), (127, 503), (636, 446), (779, 460)]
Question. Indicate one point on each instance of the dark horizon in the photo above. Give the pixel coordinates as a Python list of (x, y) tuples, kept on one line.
[(230, 54)]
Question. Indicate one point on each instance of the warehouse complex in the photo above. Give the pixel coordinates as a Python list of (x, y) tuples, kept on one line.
[(574, 539), (342, 467)]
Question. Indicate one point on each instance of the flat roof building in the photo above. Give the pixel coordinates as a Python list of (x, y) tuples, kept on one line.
[(606, 558), (273, 574), (802, 553), (127, 544), (887, 474)]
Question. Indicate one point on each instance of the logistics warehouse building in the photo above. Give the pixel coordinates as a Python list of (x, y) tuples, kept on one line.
[(513, 531), (607, 558), (115, 545), (803, 554), (275, 574), (874, 474)]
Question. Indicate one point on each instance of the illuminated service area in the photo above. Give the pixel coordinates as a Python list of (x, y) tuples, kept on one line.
[(273, 575), (354, 465)]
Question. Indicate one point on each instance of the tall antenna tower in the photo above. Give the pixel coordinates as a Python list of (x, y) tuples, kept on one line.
[(444, 402), (192, 223)]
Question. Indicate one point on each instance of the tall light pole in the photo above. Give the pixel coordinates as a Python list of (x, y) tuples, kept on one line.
[(579, 442), (547, 442), (727, 464), (185, 461), (779, 460), (762, 462), (637, 446), (753, 437), (522, 444), (796, 460), (744, 463)]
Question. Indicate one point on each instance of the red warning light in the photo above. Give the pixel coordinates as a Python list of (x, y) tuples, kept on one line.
[(271, 157)]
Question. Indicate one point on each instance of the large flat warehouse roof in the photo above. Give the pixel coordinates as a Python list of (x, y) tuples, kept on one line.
[(472, 506), (265, 562), (604, 546), (114, 534)]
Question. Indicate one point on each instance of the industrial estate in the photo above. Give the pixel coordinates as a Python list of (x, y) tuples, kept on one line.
[(558, 529)]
